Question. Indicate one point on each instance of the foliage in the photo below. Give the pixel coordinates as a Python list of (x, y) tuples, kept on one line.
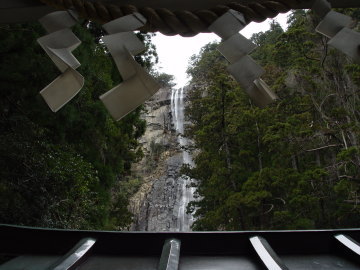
[(164, 79), (58, 170), (152, 160), (292, 165), (120, 217), (46, 185)]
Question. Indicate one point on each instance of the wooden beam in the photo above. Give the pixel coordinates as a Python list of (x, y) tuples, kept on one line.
[(18, 11), (205, 4)]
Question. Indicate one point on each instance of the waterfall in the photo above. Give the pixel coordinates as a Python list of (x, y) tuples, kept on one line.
[(161, 202), (184, 220)]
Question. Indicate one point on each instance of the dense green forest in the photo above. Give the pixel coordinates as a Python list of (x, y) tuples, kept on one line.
[(292, 165), (68, 169)]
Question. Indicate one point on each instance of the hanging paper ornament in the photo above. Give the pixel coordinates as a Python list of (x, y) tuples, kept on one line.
[(58, 45), (137, 85), (235, 48)]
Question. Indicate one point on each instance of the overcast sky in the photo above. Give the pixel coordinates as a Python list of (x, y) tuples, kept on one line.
[(175, 51)]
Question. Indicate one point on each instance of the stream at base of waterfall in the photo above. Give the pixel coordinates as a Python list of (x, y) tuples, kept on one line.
[(160, 204)]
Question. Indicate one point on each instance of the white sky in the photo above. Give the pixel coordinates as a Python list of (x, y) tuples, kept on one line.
[(175, 51)]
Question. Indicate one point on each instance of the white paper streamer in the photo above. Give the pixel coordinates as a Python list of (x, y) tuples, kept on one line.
[(235, 48), (332, 23), (58, 20), (58, 45), (347, 41), (245, 71), (337, 27), (137, 85)]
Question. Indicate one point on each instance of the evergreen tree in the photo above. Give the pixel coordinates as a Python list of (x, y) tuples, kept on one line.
[(60, 169), (292, 165)]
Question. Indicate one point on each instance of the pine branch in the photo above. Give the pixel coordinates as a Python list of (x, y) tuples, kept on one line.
[(323, 147)]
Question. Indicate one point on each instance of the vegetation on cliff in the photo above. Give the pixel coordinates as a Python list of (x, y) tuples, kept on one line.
[(292, 165)]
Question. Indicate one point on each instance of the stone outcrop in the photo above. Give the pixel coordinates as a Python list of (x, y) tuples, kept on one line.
[(156, 205)]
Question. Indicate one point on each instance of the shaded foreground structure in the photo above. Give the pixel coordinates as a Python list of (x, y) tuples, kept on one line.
[(186, 18), (34, 248)]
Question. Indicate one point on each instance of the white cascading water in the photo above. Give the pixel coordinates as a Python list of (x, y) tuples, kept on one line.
[(184, 220)]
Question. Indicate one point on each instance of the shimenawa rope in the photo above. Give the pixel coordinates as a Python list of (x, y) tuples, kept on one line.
[(183, 22)]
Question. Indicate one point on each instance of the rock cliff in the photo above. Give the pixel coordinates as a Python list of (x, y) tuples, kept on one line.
[(160, 203)]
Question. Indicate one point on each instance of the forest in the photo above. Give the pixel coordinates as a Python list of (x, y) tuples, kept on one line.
[(69, 169), (292, 165)]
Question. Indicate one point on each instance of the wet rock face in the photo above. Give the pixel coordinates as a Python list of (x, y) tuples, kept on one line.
[(160, 209), (159, 205)]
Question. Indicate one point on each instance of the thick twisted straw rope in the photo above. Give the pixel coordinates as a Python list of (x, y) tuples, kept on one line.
[(185, 23)]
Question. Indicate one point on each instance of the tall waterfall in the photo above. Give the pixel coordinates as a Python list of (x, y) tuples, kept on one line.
[(184, 220), (161, 202)]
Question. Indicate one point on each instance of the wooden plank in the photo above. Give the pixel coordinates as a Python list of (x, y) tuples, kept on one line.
[(18, 11)]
